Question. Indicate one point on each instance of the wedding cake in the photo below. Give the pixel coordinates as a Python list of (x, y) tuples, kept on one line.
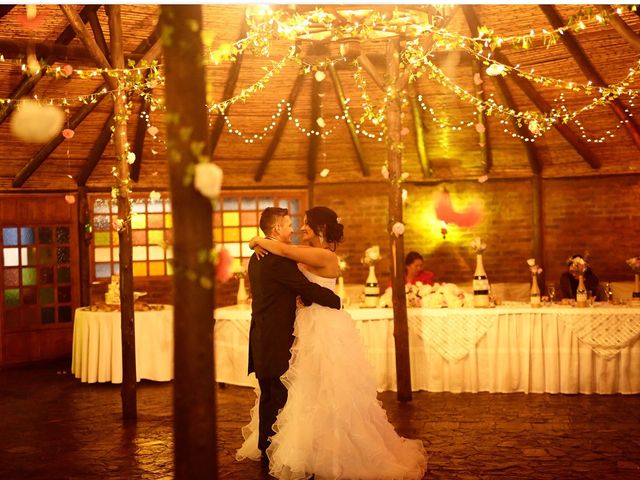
[(112, 296)]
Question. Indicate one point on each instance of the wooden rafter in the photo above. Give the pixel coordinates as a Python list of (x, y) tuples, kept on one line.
[(27, 84), (537, 99), (420, 130), (484, 137), (364, 166), (621, 27), (229, 88), (370, 68), (279, 130), (98, 34), (590, 71), (141, 132), (314, 140), (41, 155), (4, 9), (97, 149)]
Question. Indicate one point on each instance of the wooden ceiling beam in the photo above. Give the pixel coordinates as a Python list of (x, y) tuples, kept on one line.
[(279, 130), (371, 69), (420, 130), (582, 60), (364, 166), (4, 9), (98, 34), (27, 84), (537, 99), (40, 156), (141, 131), (229, 88), (88, 41), (621, 26), (97, 149)]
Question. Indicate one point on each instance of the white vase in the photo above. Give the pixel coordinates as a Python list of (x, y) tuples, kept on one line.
[(480, 285), (242, 296), (371, 289)]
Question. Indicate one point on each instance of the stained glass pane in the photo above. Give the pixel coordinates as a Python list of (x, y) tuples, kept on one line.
[(283, 203), (29, 276), (63, 254), (217, 235), (46, 275), (233, 248), (11, 258), (139, 269), (139, 237), (115, 238), (167, 204), (246, 251), (27, 236), (169, 268), (11, 297), (28, 255), (155, 220), (64, 275), (248, 233), (46, 295), (217, 218), (116, 254), (138, 221), (46, 255), (231, 235), (102, 254), (231, 219), (10, 236), (294, 206), (168, 236), (11, 277), (156, 237), (102, 238), (101, 206), (295, 223), (154, 206), (62, 235), (64, 294), (249, 218), (103, 270), (230, 203), (156, 268), (48, 315), (169, 252), (264, 202), (29, 296), (114, 205), (138, 205), (102, 222), (45, 234), (248, 203), (116, 268), (156, 253), (139, 253), (64, 314), (168, 221)]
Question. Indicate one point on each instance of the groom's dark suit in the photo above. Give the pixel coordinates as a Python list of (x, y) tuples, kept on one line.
[(275, 283)]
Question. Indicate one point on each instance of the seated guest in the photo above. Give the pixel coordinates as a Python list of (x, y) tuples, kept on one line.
[(569, 281), (413, 272)]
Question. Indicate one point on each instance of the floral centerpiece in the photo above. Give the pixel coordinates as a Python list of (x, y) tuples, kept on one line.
[(438, 295), (634, 263), (535, 289), (478, 246), (577, 265), (371, 256), (480, 280), (535, 269)]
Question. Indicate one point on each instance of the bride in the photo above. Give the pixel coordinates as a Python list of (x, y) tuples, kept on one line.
[(332, 425)]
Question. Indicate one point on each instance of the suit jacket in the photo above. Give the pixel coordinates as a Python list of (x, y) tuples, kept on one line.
[(275, 283)]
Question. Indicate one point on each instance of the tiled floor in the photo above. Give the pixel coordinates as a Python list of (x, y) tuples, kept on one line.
[(54, 427)]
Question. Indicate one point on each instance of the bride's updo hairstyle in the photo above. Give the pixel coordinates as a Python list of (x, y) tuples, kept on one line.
[(325, 223)]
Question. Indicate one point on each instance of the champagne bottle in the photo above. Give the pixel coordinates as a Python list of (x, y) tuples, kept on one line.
[(581, 293), (535, 291), (480, 285)]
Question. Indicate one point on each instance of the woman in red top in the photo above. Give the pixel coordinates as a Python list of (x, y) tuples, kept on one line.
[(413, 272)]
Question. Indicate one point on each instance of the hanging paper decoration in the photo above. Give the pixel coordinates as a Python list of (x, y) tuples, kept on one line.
[(324, 172), (153, 131), (67, 70), (496, 69), (68, 133), (477, 79), (480, 128), (70, 199), (320, 76), (36, 123), (320, 122), (469, 217)]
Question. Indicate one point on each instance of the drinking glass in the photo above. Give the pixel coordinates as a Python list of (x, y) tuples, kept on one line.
[(552, 293)]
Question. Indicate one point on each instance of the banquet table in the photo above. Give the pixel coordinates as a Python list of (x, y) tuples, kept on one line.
[(97, 345), (510, 348)]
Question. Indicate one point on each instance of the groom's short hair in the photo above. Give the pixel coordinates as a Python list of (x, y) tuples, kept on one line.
[(269, 218)]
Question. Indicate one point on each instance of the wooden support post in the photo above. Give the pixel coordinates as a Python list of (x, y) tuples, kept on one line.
[(128, 391), (394, 156), (40, 156), (98, 34), (538, 224), (279, 130), (364, 166), (83, 245), (229, 87), (484, 138), (589, 70), (194, 400), (418, 125)]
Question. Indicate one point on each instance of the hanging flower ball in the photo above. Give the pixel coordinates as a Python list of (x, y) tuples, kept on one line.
[(208, 179), (320, 76), (68, 133), (324, 173), (70, 199), (155, 196), (385, 172), (131, 158), (477, 79), (496, 69), (34, 122), (397, 229), (480, 128), (153, 131), (320, 121), (67, 70)]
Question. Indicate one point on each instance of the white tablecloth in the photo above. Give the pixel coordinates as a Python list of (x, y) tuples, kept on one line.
[(559, 349), (97, 345)]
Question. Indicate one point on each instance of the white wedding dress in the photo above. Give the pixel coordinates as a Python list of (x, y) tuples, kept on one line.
[(333, 425)]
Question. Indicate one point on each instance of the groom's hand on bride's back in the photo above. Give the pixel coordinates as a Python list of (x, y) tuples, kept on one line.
[(260, 252)]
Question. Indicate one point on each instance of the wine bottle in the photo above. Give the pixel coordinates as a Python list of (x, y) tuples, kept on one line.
[(480, 285)]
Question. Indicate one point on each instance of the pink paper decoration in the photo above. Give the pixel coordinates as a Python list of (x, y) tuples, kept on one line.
[(70, 199), (480, 128), (153, 131), (68, 133), (67, 69)]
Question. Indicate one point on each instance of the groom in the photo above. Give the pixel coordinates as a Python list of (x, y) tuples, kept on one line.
[(275, 283)]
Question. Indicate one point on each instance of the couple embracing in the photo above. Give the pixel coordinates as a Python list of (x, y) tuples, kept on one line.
[(317, 412)]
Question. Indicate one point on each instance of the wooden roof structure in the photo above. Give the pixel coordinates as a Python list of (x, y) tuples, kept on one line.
[(257, 144)]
